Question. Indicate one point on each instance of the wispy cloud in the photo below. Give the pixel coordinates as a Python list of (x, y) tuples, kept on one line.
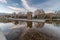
[(3, 1), (15, 8), (15, 4), (49, 6), (26, 6)]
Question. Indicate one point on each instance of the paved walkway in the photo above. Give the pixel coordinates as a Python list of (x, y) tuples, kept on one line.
[(2, 36)]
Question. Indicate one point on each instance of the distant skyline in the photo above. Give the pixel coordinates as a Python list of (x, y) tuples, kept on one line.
[(9, 6)]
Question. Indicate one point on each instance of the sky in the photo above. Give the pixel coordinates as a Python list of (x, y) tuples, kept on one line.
[(9, 6)]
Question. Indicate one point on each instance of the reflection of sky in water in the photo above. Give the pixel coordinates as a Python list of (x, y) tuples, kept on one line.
[(52, 29), (4, 26), (48, 28), (58, 25)]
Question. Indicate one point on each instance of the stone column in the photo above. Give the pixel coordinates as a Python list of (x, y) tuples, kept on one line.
[(29, 17)]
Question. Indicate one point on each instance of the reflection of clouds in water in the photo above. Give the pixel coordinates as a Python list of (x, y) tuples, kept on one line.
[(5, 25), (52, 30), (58, 25)]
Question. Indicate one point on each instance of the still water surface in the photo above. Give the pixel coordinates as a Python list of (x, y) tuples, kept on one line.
[(53, 26), (53, 29)]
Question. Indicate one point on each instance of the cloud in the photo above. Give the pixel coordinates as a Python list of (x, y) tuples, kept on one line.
[(15, 8), (15, 4), (47, 6), (3, 1), (26, 6)]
